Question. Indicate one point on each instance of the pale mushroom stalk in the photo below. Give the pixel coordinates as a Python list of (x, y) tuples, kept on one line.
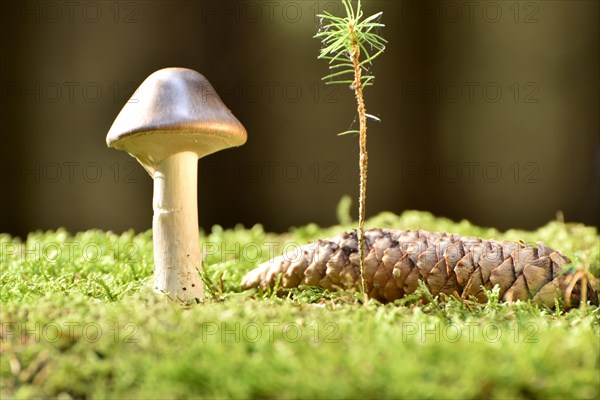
[(173, 119), (175, 226)]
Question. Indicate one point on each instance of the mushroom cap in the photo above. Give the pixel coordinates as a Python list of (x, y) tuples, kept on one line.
[(174, 110)]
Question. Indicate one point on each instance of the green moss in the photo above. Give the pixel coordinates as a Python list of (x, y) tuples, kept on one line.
[(77, 320)]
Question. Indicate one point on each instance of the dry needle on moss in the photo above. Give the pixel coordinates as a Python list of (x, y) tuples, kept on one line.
[(350, 44)]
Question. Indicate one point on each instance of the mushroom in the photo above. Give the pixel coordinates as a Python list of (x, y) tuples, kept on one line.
[(173, 119)]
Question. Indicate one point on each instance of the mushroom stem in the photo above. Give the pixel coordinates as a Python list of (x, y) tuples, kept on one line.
[(175, 227)]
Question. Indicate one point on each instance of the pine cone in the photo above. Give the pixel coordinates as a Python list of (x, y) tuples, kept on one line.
[(395, 261)]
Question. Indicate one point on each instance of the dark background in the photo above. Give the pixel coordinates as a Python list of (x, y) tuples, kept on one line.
[(489, 111)]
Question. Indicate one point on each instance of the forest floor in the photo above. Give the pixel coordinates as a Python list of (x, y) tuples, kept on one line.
[(78, 320)]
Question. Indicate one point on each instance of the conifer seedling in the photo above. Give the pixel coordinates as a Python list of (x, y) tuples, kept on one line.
[(350, 44)]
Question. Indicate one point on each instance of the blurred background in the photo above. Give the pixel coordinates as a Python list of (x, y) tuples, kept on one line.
[(489, 111)]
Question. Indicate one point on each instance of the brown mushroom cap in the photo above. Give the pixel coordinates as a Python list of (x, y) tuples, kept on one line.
[(174, 110)]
